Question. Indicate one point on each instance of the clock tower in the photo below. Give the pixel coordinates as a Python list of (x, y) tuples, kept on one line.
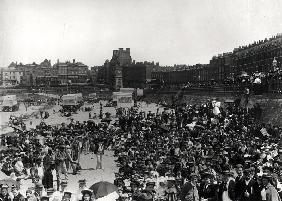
[(118, 78)]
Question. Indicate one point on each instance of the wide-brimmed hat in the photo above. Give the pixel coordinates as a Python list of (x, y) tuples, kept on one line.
[(86, 191)]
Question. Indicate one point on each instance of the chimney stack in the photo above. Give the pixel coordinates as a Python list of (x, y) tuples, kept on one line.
[(73, 61), (58, 61)]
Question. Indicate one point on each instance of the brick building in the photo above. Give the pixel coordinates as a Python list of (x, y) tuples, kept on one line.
[(181, 76), (45, 74), (121, 71), (137, 75), (71, 72), (220, 66), (111, 73), (28, 78), (259, 55), (122, 56)]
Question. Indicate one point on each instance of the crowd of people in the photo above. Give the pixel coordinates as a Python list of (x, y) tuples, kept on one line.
[(47, 154), (191, 152), (198, 152)]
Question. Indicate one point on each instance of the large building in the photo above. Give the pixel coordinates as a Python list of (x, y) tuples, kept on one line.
[(122, 56), (136, 75), (178, 76), (38, 74), (71, 72), (45, 74), (111, 74), (260, 56), (220, 67), (121, 71), (11, 76)]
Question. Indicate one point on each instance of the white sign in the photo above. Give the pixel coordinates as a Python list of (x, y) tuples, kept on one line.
[(139, 92)]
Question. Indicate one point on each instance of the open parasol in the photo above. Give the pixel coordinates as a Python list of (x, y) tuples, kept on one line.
[(103, 189)]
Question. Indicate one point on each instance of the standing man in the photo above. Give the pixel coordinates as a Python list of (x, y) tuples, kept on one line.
[(101, 111), (100, 153), (60, 158), (246, 95), (239, 182)]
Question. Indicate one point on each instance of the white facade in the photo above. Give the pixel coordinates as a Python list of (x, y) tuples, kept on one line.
[(11, 76)]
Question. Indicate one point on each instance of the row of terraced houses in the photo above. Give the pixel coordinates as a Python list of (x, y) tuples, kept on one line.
[(258, 56), (122, 71)]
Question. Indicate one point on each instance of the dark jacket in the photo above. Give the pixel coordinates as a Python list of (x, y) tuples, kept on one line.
[(253, 189), (47, 180), (239, 187)]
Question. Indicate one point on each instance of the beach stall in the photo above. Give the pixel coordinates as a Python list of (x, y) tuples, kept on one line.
[(123, 100), (9, 103)]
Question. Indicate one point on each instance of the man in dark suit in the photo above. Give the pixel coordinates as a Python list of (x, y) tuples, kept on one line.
[(239, 182), (250, 187), (227, 187)]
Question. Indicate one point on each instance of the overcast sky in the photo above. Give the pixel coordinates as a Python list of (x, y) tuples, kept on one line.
[(168, 31)]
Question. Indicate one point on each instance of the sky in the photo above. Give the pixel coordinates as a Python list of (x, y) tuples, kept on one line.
[(165, 31)]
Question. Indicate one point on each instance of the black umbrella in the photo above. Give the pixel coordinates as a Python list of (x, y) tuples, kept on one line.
[(103, 188)]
